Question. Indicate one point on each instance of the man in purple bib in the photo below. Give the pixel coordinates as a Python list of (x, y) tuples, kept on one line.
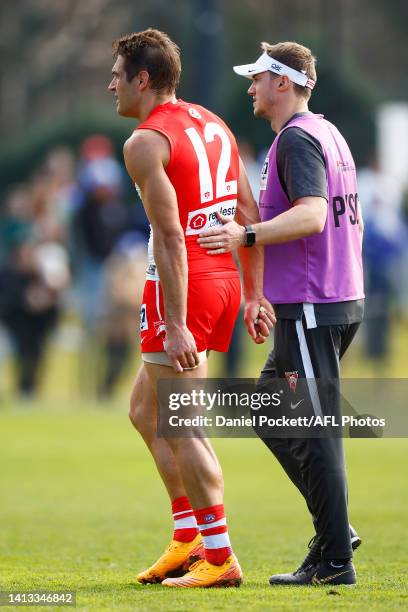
[(311, 227)]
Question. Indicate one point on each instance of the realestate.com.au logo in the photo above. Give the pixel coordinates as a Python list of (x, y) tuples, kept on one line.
[(207, 400)]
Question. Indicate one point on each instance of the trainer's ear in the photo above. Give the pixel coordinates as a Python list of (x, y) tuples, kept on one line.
[(284, 83)]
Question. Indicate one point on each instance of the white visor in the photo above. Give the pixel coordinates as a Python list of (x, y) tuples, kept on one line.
[(266, 62)]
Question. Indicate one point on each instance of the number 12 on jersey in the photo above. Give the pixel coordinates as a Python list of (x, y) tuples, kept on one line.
[(222, 187)]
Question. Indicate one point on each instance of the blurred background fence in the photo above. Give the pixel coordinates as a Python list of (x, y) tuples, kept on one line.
[(72, 231)]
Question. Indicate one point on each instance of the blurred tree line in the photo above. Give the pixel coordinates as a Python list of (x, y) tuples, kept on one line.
[(57, 61)]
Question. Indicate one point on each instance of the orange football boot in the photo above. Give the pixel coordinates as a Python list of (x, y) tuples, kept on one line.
[(175, 561), (204, 574)]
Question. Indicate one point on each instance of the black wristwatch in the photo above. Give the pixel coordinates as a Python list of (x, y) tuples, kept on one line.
[(250, 236)]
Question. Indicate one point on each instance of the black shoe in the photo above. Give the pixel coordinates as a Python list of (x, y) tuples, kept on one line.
[(325, 572), (306, 571), (303, 575), (308, 568), (334, 572)]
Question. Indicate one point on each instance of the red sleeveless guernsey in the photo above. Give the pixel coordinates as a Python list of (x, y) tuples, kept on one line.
[(204, 171)]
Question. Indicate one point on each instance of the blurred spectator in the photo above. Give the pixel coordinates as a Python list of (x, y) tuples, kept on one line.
[(30, 285), (125, 274), (100, 222), (33, 272), (45, 222), (15, 222), (384, 250), (62, 184), (80, 211)]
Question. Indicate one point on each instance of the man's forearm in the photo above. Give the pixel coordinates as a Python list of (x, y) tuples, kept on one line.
[(171, 260), (251, 262), (299, 222)]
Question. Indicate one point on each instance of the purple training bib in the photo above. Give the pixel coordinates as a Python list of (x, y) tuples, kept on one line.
[(325, 267)]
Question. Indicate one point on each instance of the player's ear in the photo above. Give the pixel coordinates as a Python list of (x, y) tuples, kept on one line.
[(142, 79)]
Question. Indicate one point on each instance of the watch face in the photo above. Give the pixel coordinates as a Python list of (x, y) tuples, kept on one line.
[(250, 236)]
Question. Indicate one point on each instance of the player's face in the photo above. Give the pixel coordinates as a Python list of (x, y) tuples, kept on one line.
[(123, 90), (262, 91)]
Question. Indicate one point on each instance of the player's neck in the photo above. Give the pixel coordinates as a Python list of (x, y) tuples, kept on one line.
[(283, 114), (153, 100)]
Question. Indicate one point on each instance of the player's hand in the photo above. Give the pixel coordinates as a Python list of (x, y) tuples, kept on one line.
[(181, 348), (260, 318), (223, 238)]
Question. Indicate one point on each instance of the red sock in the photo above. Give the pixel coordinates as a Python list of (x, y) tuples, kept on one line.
[(213, 526), (185, 524)]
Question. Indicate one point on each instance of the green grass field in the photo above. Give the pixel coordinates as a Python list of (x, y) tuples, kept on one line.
[(81, 509)]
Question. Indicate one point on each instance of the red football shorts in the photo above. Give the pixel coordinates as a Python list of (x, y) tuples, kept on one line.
[(212, 308)]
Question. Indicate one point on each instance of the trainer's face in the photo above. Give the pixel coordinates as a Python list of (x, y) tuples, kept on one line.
[(123, 90), (262, 91)]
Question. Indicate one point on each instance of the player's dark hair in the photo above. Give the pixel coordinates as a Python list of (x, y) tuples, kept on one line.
[(297, 57), (153, 51)]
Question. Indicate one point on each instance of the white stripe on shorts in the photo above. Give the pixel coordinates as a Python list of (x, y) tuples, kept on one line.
[(158, 299)]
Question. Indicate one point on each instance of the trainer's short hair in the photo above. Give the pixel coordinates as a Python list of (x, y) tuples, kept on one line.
[(153, 51), (297, 57)]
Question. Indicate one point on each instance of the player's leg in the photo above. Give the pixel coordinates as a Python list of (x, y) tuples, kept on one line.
[(186, 546), (202, 477), (194, 459), (143, 411), (143, 415)]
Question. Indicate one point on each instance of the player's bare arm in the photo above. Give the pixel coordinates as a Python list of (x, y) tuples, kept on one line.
[(259, 315), (146, 155), (306, 217)]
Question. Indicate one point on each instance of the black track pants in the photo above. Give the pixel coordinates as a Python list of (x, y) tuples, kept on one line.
[(316, 465)]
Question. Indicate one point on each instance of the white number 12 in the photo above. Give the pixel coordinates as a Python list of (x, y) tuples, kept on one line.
[(223, 187)]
